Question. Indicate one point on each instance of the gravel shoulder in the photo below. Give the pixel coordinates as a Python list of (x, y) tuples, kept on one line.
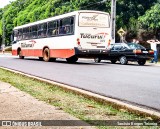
[(17, 105)]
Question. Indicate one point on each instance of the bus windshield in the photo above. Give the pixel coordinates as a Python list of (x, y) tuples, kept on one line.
[(91, 19)]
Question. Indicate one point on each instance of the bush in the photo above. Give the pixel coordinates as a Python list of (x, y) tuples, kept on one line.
[(9, 48)]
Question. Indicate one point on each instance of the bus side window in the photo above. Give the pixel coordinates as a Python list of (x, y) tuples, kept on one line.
[(34, 32), (65, 26), (20, 34), (72, 25), (52, 28), (26, 33), (42, 30), (15, 33)]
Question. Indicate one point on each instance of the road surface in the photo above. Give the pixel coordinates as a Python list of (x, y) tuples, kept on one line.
[(130, 83)]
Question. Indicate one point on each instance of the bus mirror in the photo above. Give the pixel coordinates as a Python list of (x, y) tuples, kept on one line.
[(13, 42)]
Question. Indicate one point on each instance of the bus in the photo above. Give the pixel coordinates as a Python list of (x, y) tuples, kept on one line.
[(78, 34)]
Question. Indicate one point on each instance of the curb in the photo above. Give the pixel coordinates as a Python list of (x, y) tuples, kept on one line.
[(113, 102)]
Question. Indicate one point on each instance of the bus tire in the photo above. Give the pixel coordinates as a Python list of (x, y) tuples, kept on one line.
[(53, 59), (72, 59), (40, 58), (46, 55), (97, 60), (20, 54)]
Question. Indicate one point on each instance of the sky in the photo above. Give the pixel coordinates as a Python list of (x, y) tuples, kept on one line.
[(4, 2)]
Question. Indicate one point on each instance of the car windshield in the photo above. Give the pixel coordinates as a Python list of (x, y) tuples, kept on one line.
[(135, 46)]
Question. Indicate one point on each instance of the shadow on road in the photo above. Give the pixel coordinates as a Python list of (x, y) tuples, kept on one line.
[(80, 62)]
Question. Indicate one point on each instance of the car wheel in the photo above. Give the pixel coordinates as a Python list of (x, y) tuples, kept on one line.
[(123, 60), (113, 61), (97, 60), (141, 62)]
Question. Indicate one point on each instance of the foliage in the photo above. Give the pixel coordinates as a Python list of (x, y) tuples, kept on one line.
[(21, 12), (151, 19)]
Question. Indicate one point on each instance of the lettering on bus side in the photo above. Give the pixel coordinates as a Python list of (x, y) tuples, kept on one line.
[(25, 45), (90, 36)]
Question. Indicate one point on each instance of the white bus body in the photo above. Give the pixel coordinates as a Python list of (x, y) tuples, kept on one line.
[(72, 35)]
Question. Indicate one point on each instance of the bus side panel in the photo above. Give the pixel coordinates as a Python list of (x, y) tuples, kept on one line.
[(60, 47), (54, 53), (14, 52), (62, 53), (15, 48), (32, 52)]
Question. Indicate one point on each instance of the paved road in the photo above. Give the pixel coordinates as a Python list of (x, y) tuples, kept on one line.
[(131, 83)]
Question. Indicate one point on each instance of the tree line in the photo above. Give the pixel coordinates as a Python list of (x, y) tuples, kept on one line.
[(137, 17)]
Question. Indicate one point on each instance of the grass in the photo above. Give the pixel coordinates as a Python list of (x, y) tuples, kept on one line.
[(76, 105)]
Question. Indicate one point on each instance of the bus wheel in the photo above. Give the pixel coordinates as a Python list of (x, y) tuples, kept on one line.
[(97, 60), (53, 59), (20, 55), (72, 59), (40, 58), (46, 55)]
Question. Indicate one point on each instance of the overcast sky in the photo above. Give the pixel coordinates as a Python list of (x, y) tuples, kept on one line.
[(4, 2)]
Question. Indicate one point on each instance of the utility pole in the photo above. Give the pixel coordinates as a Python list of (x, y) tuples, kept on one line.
[(113, 20)]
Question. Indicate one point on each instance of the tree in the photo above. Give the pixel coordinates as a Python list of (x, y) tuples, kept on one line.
[(20, 12), (151, 20)]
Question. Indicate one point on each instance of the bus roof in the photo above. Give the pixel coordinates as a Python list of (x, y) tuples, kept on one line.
[(57, 17)]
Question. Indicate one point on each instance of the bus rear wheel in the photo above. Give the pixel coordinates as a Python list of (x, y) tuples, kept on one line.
[(52, 59), (41, 58), (46, 54), (97, 60), (72, 59)]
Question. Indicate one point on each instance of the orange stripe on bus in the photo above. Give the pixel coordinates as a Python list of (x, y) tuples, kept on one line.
[(14, 52), (55, 53), (62, 53)]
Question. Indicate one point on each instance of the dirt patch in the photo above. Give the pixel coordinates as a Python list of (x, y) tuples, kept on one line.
[(17, 105)]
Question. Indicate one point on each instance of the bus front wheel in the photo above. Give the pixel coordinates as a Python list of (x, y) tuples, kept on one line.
[(20, 55), (46, 55)]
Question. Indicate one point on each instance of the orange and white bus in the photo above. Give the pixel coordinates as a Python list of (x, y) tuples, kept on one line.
[(78, 34)]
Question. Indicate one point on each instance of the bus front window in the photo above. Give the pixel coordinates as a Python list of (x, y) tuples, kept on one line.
[(14, 36)]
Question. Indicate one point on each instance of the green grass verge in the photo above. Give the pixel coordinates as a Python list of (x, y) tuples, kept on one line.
[(76, 105)]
